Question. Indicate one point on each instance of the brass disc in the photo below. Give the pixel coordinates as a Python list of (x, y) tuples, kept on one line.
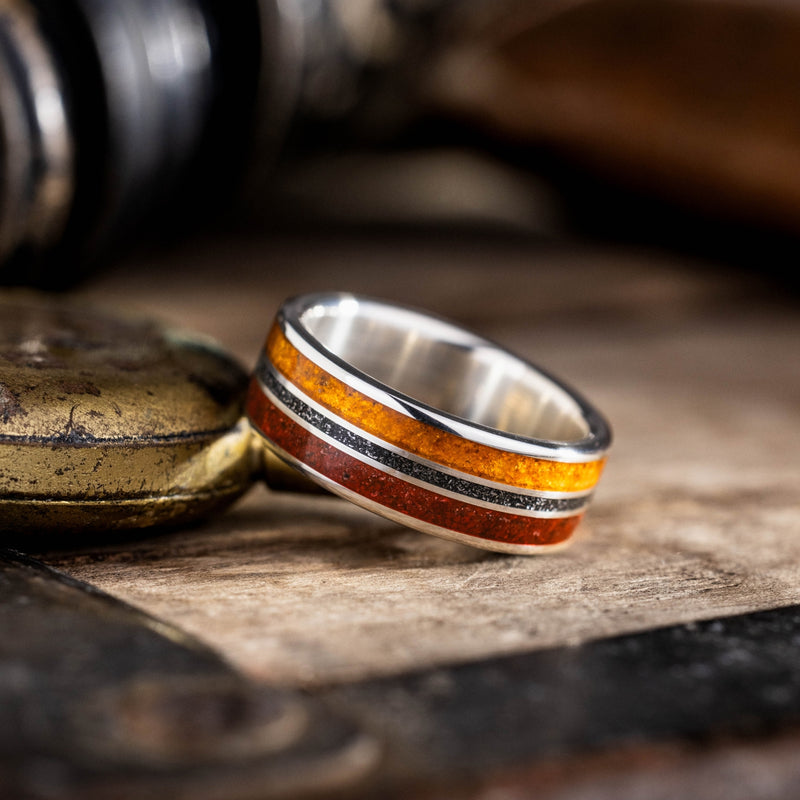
[(112, 421)]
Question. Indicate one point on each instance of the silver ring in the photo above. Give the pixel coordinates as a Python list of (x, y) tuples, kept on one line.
[(427, 424)]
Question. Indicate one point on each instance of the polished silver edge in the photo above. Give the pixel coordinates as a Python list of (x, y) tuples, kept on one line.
[(412, 522), (350, 440), (590, 448)]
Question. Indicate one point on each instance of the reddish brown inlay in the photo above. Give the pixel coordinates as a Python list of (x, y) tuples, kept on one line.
[(397, 494)]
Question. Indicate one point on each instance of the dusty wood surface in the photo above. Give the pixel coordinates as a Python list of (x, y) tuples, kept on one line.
[(696, 516)]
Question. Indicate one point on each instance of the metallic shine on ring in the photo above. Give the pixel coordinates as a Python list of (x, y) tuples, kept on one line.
[(426, 424)]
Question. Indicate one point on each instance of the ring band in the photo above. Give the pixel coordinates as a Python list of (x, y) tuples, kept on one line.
[(427, 424)]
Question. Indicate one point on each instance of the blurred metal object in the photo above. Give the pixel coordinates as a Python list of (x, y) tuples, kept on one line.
[(709, 709), (98, 699), (36, 143), (142, 89), (168, 105), (123, 119)]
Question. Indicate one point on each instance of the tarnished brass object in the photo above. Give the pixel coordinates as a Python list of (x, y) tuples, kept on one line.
[(114, 422)]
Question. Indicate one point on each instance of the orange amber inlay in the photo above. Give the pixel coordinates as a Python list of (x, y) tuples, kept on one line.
[(424, 440)]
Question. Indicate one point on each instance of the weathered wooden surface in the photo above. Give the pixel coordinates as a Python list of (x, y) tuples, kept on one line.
[(697, 515)]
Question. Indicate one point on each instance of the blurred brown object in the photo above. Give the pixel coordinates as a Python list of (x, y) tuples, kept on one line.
[(676, 105), (695, 101)]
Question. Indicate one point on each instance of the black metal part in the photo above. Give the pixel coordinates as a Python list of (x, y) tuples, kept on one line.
[(730, 678), (178, 109), (100, 700), (159, 96)]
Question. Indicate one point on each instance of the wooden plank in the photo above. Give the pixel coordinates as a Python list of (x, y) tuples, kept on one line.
[(696, 516)]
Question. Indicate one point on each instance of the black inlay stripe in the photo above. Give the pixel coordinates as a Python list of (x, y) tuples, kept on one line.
[(407, 466)]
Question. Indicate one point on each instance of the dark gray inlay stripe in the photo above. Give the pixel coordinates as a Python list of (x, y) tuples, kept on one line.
[(407, 466)]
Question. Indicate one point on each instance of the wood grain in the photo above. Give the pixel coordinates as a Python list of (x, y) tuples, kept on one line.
[(697, 514)]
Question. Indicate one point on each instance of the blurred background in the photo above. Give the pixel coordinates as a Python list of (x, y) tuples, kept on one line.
[(131, 124)]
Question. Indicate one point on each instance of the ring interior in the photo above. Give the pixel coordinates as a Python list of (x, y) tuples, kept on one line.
[(446, 368)]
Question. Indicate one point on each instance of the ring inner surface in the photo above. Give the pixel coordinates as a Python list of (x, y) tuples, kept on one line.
[(448, 369)]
